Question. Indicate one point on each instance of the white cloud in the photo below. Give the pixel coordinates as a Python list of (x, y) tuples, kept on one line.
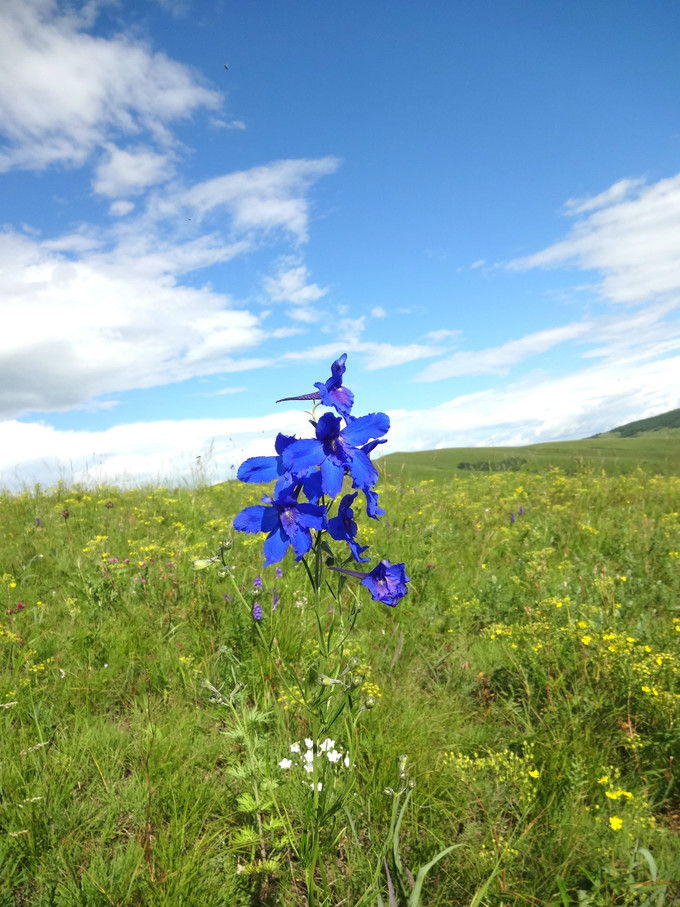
[(64, 92), (632, 241), (227, 391), (290, 285), (616, 193), (264, 198), (497, 360), (543, 408), (373, 355), (441, 334), (539, 408), (121, 208), (136, 453), (96, 325), (100, 311), (130, 171), (378, 312), (239, 125)]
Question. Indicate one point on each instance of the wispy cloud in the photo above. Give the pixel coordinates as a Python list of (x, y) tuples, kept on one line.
[(497, 360), (631, 238), (616, 193), (270, 197), (541, 407), (441, 335)]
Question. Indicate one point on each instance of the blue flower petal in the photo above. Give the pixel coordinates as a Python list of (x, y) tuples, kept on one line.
[(260, 469), (302, 456), (331, 478), (275, 547), (328, 428), (364, 473), (311, 516), (301, 542), (365, 428), (251, 519)]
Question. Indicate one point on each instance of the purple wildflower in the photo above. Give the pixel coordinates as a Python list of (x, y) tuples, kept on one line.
[(331, 393), (285, 521), (386, 582), (512, 517), (279, 573), (257, 611), (257, 582), (275, 600), (334, 451), (344, 529)]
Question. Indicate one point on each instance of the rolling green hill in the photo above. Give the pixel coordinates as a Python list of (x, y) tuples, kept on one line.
[(663, 425), (651, 444)]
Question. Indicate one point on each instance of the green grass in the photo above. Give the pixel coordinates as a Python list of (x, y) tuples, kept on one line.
[(657, 452), (531, 671)]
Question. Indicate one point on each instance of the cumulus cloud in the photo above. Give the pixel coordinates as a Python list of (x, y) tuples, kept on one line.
[(290, 285), (64, 92), (85, 327), (631, 236), (99, 311), (130, 171)]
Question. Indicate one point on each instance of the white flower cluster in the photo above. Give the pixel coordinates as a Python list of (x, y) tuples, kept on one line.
[(313, 757)]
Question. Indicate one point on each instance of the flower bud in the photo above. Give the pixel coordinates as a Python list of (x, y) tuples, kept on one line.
[(327, 681), (201, 563)]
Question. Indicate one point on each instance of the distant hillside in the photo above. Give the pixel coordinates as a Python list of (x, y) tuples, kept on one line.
[(656, 451), (667, 423)]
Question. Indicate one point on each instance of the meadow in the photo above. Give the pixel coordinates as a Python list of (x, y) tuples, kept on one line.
[(518, 708)]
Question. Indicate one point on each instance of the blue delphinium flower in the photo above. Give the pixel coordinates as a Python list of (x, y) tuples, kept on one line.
[(335, 450), (386, 582), (286, 522), (331, 393), (343, 528), (265, 469)]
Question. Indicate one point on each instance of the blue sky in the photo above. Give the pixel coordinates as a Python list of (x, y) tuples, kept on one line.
[(478, 203)]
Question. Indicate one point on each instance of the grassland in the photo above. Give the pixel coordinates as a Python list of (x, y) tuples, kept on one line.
[(531, 674), (654, 452)]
